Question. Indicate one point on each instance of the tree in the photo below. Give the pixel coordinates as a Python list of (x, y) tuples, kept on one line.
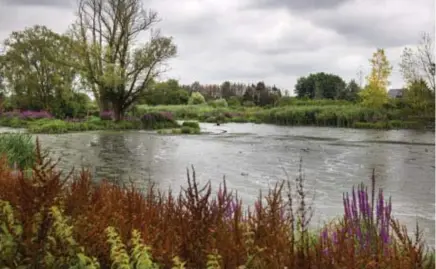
[(420, 98), (226, 90), (351, 92), (196, 99), (166, 93), (420, 63), (117, 69), (320, 85), (32, 67), (375, 92)]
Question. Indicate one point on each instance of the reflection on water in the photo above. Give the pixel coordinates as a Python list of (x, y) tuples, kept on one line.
[(252, 158)]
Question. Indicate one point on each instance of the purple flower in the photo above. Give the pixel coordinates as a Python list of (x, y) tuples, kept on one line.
[(106, 115)]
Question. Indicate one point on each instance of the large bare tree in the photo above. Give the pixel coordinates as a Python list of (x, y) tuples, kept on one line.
[(115, 66), (419, 63)]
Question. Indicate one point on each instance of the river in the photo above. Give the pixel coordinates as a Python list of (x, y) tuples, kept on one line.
[(253, 157)]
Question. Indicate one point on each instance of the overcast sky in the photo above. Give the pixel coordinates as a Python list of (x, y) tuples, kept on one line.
[(276, 41)]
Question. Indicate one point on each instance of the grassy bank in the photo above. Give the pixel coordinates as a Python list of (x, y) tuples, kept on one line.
[(46, 223), (324, 114), (50, 125)]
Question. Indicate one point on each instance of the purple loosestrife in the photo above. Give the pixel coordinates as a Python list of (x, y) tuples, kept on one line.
[(359, 217), (106, 115), (28, 115)]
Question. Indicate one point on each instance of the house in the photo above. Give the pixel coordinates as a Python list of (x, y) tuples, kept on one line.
[(396, 93)]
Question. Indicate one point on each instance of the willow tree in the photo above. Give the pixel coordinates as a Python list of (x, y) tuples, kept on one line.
[(375, 93), (115, 65)]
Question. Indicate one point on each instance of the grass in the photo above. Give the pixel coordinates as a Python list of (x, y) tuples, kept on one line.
[(19, 149), (52, 221), (153, 121), (313, 113)]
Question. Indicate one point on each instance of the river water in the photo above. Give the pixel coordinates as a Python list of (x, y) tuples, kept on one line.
[(253, 157)]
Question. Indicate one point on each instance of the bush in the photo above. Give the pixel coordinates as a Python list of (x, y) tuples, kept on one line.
[(248, 104), (196, 99), (234, 101), (218, 103), (191, 124), (189, 130), (18, 148), (158, 120)]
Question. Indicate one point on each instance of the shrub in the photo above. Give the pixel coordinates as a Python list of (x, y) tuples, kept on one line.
[(196, 99), (189, 130), (158, 120), (234, 101), (191, 124), (218, 103), (248, 104), (53, 126)]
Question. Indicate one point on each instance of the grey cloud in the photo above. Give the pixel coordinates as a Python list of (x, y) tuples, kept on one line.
[(298, 5), (292, 39), (375, 32), (57, 3)]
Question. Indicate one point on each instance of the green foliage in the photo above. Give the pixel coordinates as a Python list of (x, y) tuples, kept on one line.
[(218, 103), (19, 149), (137, 258), (158, 120), (61, 126), (213, 260), (189, 130), (191, 124), (248, 104), (234, 101), (33, 68), (166, 93), (420, 98), (375, 92), (178, 264), (334, 113), (10, 230), (320, 86), (196, 99)]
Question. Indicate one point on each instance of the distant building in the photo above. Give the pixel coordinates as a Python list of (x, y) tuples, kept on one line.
[(396, 93)]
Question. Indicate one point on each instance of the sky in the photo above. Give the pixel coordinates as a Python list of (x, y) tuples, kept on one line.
[(275, 41)]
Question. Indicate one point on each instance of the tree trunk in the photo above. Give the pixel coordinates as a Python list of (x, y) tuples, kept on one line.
[(104, 102), (118, 112)]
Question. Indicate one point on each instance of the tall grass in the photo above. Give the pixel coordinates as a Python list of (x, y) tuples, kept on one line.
[(52, 221), (19, 148), (313, 113)]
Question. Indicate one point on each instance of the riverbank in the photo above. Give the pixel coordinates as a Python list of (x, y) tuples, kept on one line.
[(50, 125), (322, 114), (199, 228)]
